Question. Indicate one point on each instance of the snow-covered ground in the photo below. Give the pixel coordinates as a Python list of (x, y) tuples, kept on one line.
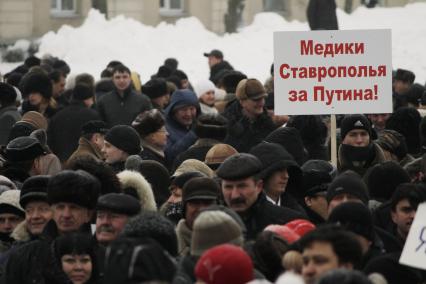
[(91, 46)]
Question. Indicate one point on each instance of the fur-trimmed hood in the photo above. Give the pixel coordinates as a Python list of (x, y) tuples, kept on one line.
[(21, 233), (141, 185)]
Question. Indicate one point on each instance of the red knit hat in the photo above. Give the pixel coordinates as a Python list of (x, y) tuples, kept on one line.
[(224, 264), (301, 226), (284, 232)]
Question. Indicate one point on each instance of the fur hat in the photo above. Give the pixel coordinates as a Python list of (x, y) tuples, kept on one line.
[(393, 142), (155, 88), (212, 228), (82, 92), (231, 79), (250, 89), (124, 138), (34, 188), (78, 187), (6, 184), (348, 182), (37, 82), (149, 122), (354, 121), (213, 126), (119, 203), (23, 149), (405, 76), (7, 93), (134, 181), (224, 264), (203, 86), (239, 166), (9, 203), (217, 154), (152, 225), (36, 119), (94, 126)]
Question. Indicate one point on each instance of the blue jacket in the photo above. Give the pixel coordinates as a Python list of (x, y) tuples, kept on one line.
[(180, 137)]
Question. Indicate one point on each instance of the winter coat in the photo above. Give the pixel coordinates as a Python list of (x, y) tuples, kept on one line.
[(86, 148), (8, 116), (243, 133), (321, 15), (65, 128), (150, 153), (49, 164), (184, 235), (185, 270), (115, 109), (263, 213), (131, 179), (218, 70), (180, 137)]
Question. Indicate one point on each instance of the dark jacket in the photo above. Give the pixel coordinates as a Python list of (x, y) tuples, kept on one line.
[(8, 116), (180, 137), (197, 151), (65, 128), (243, 134), (149, 153), (218, 70), (115, 109), (321, 15), (86, 148), (263, 213), (48, 113)]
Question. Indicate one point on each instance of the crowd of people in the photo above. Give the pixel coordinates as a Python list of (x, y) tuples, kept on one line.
[(170, 181)]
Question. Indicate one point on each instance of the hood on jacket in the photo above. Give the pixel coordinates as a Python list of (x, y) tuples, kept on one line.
[(181, 98), (131, 179)]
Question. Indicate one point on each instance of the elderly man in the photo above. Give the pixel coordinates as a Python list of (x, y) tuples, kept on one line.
[(242, 190), (113, 211)]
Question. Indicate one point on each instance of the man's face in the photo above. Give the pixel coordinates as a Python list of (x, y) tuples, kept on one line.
[(318, 258), (357, 138), (401, 87), (158, 138), (99, 140), (185, 115), (342, 198), (240, 195), (277, 182), (58, 87), (318, 203), (193, 208), (403, 217), (213, 61), (8, 222), (379, 120), (69, 217), (121, 80), (35, 99), (176, 195), (112, 154), (253, 108), (109, 225), (37, 214)]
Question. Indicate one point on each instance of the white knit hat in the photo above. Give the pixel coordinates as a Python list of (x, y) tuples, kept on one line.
[(203, 86)]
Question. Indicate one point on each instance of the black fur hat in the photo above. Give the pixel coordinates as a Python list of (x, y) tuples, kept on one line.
[(38, 82), (78, 187), (213, 126)]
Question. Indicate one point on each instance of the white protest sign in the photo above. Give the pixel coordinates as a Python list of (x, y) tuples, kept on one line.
[(414, 252), (333, 72)]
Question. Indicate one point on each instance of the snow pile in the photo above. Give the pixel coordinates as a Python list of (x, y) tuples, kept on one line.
[(91, 46)]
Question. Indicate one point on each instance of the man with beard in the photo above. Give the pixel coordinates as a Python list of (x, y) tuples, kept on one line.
[(357, 152), (242, 190), (113, 211)]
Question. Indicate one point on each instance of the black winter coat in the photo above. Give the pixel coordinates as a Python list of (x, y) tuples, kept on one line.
[(64, 129), (218, 70), (243, 134), (115, 109), (321, 15)]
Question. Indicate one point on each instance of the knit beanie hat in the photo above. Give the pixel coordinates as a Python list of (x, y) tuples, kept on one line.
[(224, 264), (212, 228), (354, 217), (124, 138), (213, 126), (354, 121), (34, 188), (78, 187), (36, 119), (9, 203), (382, 179), (37, 82), (348, 182), (203, 86), (155, 88)]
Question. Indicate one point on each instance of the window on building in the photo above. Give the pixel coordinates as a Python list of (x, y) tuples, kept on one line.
[(171, 7), (63, 7), (274, 5)]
